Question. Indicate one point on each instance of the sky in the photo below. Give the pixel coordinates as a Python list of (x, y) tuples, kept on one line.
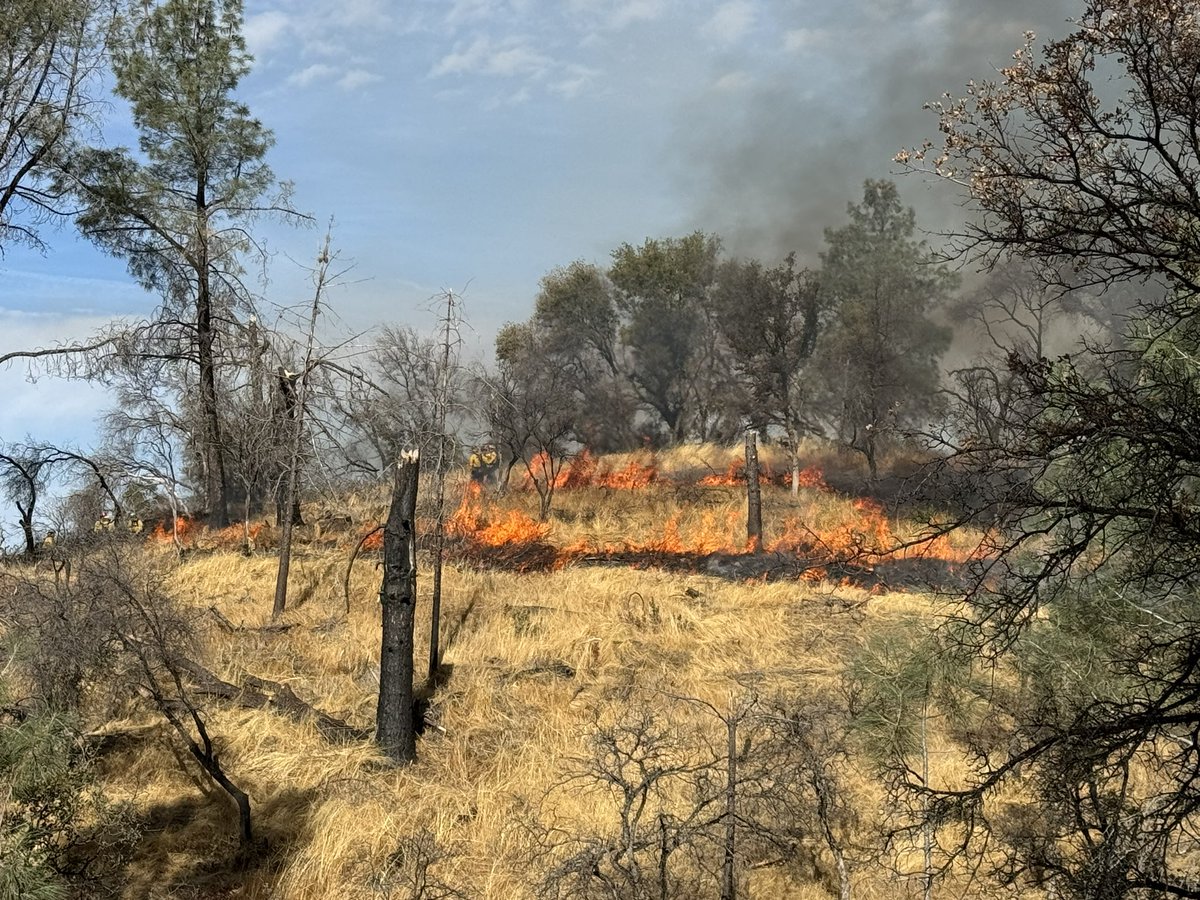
[(474, 145)]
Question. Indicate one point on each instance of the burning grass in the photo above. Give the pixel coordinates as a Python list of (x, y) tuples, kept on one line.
[(538, 646), (699, 525), (682, 510)]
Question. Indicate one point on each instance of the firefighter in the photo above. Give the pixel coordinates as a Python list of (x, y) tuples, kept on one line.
[(490, 460), (476, 464)]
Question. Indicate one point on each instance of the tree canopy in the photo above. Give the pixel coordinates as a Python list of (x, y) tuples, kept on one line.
[(1081, 159)]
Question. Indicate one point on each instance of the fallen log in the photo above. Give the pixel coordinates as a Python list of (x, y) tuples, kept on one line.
[(262, 693), (270, 628)]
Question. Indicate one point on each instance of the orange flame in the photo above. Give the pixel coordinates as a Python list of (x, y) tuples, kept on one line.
[(184, 528), (580, 472), (814, 479), (736, 475), (833, 534), (539, 469), (633, 476), (584, 471), (235, 535), (496, 529), (373, 539)]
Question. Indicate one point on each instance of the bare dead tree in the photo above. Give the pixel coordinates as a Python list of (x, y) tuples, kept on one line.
[(411, 871), (114, 627), (395, 729), (691, 804), (322, 278), (24, 478), (451, 341), (51, 54), (531, 409), (771, 318)]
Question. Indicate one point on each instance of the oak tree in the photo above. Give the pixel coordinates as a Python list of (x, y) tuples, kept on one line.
[(1082, 159)]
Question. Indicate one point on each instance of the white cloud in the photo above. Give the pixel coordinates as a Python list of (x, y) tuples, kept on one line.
[(511, 57), (462, 59), (635, 11), (312, 73), (264, 30), (731, 82), (617, 14), (357, 78), (730, 22), (309, 29), (374, 13), (517, 60), (800, 39), (463, 12), (575, 79)]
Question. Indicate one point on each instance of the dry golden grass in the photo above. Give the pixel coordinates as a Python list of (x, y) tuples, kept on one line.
[(510, 715)]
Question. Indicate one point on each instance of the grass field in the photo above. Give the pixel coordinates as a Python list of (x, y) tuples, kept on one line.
[(536, 664)]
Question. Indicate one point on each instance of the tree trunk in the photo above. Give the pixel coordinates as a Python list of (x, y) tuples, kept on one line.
[(754, 539), (871, 444), (823, 790), (793, 438), (216, 487), (287, 497), (27, 527), (926, 828), (728, 875), (287, 501), (285, 566), (394, 727), (435, 606), (439, 524), (211, 765)]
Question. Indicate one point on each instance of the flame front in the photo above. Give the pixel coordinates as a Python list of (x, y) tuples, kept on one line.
[(828, 532), (492, 528), (585, 471), (164, 532)]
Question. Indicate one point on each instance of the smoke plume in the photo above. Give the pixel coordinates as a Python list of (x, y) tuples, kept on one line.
[(847, 98)]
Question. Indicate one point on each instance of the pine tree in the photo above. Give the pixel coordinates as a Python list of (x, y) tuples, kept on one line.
[(179, 210)]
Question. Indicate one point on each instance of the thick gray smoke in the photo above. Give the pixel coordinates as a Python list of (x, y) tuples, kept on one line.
[(772, 179)]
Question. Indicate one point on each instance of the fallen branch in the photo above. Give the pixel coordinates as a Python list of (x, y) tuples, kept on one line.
[(350, 565)]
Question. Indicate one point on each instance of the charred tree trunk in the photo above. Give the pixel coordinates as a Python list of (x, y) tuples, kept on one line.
[(872, 454), (754, 538), (394, 726), (286, 499), (435, 610)]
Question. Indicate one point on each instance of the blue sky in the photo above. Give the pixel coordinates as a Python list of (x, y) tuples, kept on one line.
[(476, 144)]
